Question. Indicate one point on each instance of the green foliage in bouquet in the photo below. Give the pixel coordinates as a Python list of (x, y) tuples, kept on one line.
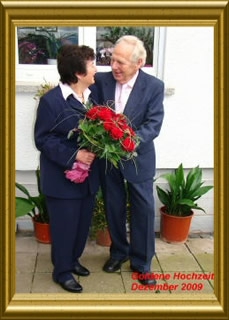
[(108, 135)]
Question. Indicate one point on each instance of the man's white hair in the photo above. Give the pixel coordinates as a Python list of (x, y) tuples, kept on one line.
[(139, 51)]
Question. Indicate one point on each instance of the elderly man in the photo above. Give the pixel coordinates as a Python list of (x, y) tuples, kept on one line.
[(139, 96)]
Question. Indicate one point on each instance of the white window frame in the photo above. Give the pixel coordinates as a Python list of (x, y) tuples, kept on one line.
[(31, 73)]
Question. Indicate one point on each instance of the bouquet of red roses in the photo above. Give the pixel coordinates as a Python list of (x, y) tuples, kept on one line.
[(108, 135)]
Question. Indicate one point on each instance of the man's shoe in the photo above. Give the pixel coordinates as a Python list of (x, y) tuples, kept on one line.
[(144, 278), (71, 285), (113, 265), (81, 270)]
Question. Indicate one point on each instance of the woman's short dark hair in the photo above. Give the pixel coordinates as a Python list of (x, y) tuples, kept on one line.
[(72, 59)]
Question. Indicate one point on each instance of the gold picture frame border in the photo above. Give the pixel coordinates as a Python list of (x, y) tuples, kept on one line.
[(113, 306)]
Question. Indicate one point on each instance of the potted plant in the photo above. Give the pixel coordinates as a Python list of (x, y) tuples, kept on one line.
[(55, 42), (99, 228), (32, 49), (42, 47), (179, 201), (35, 207), (53, 45), (43, 89)]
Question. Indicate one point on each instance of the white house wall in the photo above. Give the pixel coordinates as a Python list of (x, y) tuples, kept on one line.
[(187, 134)]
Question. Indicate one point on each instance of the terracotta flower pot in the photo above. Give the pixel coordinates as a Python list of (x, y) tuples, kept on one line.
[(42, 232), (103, 238), (174, 229)]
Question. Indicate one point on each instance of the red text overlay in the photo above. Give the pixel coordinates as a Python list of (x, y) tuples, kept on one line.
[(192, 281)]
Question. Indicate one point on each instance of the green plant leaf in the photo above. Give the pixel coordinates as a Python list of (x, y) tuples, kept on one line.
[(23, 206), (35, 206), (23, 189), (163, 196)]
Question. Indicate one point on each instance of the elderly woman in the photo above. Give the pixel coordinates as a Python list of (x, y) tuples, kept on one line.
[(70, 205)]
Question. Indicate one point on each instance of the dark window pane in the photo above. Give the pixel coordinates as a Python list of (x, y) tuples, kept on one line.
[(107, 36), (37, 45)]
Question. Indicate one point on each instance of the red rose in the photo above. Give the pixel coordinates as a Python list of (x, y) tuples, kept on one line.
[(116, 133), (108, 125), (105, 114), (131, 131), (128, 144), (93, 113), (119, 117)]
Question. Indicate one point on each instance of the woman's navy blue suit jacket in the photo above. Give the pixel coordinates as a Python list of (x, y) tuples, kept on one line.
[(55, 118)]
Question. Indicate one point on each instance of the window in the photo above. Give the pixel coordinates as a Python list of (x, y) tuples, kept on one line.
[(107, 36), (37, 45)]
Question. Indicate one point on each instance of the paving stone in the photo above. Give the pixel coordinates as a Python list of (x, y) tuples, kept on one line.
[(165, 247), (24, 282), (102, 282), (25, 262), (26, 244), (95, 261), (206, 261), (44, 247), (44, 263), (201, 245), (176, 262), (93, 248), (43, 282)]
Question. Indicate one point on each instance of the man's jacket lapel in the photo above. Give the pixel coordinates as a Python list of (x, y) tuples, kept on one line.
[(133, 105)]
